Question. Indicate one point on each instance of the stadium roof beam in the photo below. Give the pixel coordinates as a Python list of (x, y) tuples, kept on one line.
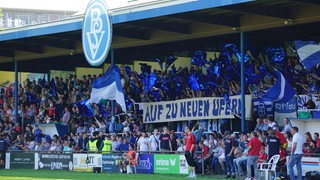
[(308, 1), (18, 45), (131, 33), (54, 42), (231, 21), (176, 27), (274, 11), (6, 52)]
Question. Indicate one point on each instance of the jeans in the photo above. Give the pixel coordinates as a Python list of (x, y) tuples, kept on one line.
[(215, 165), (252, 161), (295, 159), (230, 165), (238, 162)]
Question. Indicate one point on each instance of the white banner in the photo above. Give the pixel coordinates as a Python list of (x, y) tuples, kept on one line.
[(195, 109), (85, 162)]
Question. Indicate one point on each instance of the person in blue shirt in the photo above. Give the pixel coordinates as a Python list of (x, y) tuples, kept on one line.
[(37, 134), (124, 146), (4, 144)]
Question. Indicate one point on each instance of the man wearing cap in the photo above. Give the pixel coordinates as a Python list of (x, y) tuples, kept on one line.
[(230, 145), (254, 147)]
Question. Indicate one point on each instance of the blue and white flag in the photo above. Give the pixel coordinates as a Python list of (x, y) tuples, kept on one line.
[(281, 91), (108, 87), (309, 53)]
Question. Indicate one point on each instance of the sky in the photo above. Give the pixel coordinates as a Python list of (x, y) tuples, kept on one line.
[(61, 5)]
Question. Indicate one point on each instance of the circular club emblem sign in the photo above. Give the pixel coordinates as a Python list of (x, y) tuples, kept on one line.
[(96, 32)]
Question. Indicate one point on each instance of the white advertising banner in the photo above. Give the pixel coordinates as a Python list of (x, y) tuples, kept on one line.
[(85, 162), (196, 109)]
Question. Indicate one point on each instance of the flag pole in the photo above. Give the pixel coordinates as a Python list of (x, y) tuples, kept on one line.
[(113, 118), (243, 100)]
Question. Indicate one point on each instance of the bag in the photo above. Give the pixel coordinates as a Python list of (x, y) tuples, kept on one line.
[(312, 175)]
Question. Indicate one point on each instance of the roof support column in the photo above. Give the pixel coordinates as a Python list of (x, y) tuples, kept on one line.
[(243, 89), (16, 98), (113, 119)]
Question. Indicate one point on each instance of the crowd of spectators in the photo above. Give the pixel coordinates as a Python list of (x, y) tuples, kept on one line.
[(58, 101)]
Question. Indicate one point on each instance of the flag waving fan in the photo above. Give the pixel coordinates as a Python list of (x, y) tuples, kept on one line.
[(309, 53), (281, 91), (108, 87)]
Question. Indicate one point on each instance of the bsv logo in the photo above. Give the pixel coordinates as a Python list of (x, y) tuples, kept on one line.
[(96, 32)]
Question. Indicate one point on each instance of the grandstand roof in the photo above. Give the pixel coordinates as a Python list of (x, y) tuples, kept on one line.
[(146, 33)]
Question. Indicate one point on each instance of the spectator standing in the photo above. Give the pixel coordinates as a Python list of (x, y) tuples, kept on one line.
[(154, 140), (190, 149), (82, 142), (230, 145), (143, 143), (106, 145), (4, 144), (93, 143), (287, 125), (37, 134), (164, 141), (296, 153), (273, 144), (254, 147)]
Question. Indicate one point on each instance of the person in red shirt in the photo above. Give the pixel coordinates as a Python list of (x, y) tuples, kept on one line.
[(190, 149), (263, 156), (283, 154), (254, 147), (316, 138)]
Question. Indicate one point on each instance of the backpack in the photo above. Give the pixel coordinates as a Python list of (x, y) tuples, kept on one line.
[(312, 175)]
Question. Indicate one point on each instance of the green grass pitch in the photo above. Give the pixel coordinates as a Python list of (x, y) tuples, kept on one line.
[(70, 175)]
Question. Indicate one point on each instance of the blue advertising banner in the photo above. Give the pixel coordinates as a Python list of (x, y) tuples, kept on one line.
[(263, 108), (145, 164), (110, 162), (288, 109), (195, 109)]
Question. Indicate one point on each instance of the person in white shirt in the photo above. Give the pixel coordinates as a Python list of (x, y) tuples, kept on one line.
[(296, 153), (143, 143), (154, 140)]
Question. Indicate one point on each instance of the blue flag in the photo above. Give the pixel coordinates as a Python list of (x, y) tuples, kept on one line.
[(281, 91), (309, 53), (108, 87)]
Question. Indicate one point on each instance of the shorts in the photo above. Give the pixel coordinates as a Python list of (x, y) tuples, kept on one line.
[(189, 158)]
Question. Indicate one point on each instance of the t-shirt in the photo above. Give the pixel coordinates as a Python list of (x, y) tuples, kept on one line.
[(191, 139), (164, 141), (262, 157), (229, 143), (283, 140), (297, 138), (255, 144), (154, 142), (273, 146), (143, 144)]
